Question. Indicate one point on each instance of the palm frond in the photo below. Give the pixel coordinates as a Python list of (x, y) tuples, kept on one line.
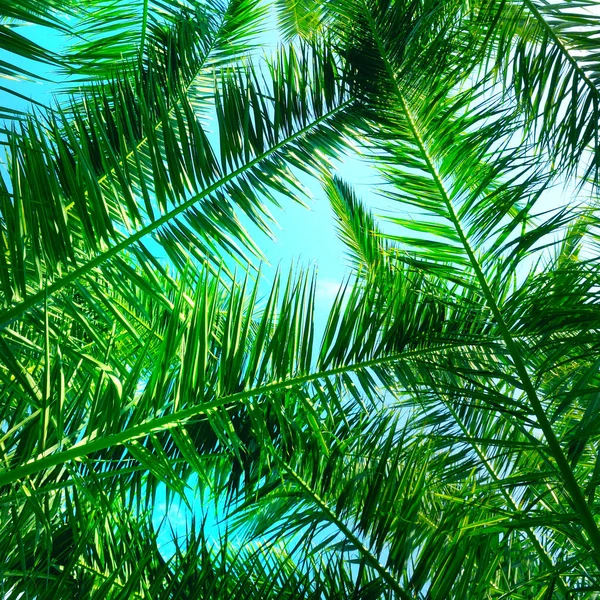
[(184, 182), (450, 176), (300, 18), (356, 225), (545, 53)]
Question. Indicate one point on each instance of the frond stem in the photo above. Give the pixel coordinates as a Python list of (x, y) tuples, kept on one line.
[(346, 531), (563, 49), (94, 443), (9, 315), (571, 485)]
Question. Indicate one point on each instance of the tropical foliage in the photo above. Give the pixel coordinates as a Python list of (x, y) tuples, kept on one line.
[(439, 440)]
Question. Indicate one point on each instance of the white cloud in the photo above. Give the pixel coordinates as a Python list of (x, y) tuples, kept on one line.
[(327, 289)]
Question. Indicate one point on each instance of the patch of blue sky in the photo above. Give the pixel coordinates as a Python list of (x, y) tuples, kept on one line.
[(27, 91)]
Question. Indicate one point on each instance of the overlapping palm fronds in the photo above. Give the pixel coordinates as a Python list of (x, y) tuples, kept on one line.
[(439, 441)]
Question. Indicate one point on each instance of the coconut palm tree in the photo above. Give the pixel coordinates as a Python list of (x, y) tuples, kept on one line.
[(439, 440)]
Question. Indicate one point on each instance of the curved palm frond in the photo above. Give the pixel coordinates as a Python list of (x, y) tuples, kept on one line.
[(471, 404), (198, 385), (546, 52), (439, 441), (188, 188)]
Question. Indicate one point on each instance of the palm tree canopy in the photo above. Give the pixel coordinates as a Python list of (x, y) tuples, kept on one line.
[(438, 439)]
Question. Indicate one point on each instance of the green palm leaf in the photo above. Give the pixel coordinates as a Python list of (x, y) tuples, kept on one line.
[(438, 440)]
